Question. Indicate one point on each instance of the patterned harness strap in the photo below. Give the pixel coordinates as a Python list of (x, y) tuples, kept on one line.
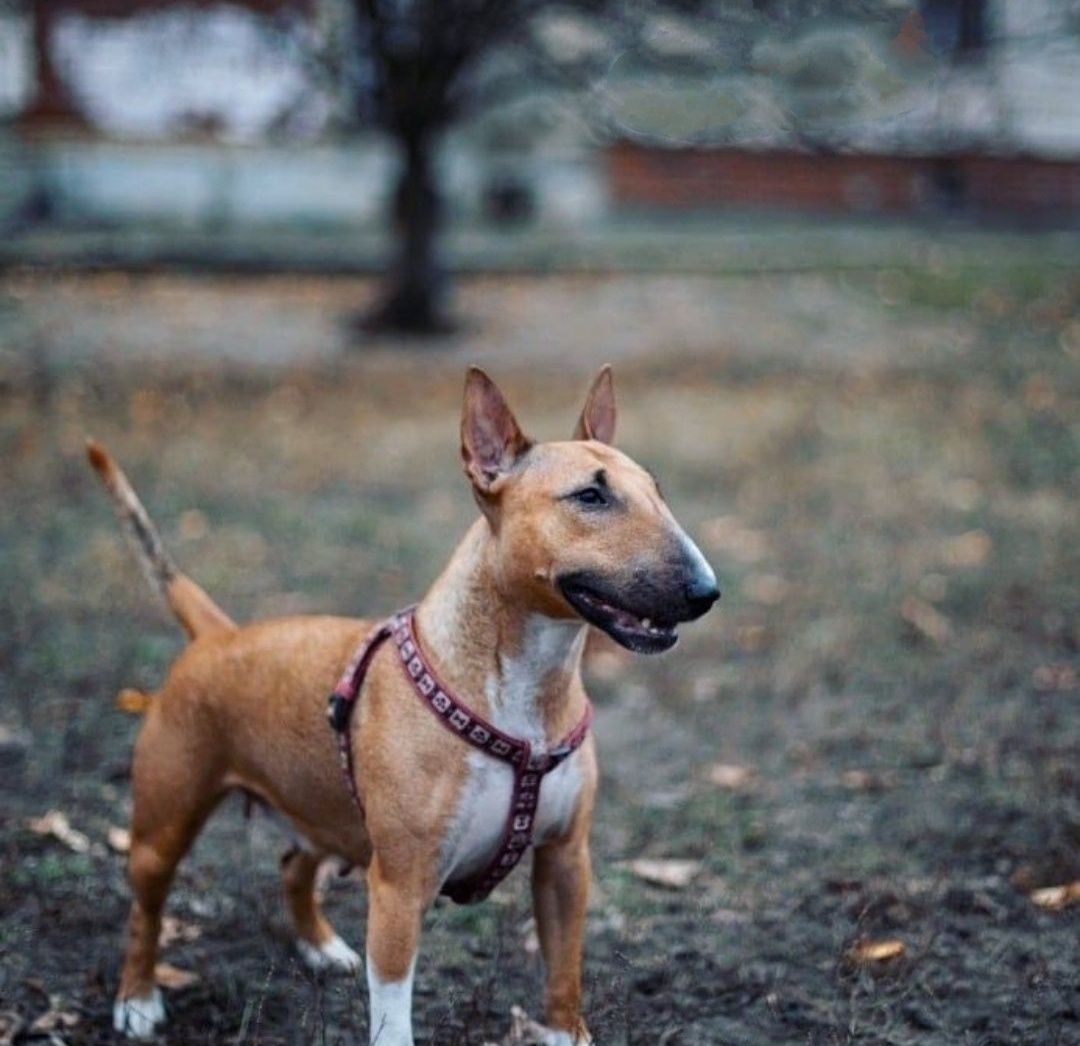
[(339, 707), (529, 767)]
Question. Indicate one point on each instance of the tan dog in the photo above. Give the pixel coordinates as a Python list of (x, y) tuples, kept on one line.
[(570, 532)]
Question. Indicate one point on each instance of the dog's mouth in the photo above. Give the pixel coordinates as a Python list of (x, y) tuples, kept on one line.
[(639, 633)]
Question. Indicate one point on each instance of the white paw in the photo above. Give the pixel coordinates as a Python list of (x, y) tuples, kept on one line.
[(524, 1029), (334, 956), (137, 1017), (551, 1037)]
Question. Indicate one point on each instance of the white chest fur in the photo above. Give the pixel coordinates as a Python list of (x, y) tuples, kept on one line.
[(480, 819)]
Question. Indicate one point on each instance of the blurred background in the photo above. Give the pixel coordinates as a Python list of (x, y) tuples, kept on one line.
[(831, 249)]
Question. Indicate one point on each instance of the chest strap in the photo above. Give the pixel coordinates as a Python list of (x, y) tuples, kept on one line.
[(529, 767)]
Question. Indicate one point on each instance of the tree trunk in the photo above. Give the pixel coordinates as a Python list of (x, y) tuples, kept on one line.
[(415, 297), (51, 104)]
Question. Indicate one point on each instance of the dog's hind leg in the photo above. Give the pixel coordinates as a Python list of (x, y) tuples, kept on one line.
[(171, 805), (319, 946)]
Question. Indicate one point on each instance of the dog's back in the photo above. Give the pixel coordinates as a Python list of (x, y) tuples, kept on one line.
[(233, 696)]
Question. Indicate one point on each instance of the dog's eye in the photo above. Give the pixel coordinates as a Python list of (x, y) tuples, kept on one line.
[(591, 496)]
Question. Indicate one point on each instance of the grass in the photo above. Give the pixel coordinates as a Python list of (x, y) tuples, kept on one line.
[(915, 772)]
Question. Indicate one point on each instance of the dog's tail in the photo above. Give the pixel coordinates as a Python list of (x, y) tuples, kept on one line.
[(197, 613)]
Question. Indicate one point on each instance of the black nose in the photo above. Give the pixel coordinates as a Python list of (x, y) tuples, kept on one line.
[(701, 593)]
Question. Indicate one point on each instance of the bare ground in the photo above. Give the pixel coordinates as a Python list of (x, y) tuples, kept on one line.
[(883, 469)]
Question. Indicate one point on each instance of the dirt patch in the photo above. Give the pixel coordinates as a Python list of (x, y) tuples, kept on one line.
[(893, 663), (284, 321)]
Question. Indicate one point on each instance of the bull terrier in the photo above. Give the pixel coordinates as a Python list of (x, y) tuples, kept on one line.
[(462, 724)]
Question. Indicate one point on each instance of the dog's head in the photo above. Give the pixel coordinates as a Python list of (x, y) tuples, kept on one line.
[(579, 528)]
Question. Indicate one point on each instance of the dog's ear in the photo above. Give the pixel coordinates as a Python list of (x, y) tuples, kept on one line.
[(597, 419), (491, 440)]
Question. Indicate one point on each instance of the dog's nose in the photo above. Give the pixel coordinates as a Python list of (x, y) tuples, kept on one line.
[(700, 588), (701, 594)]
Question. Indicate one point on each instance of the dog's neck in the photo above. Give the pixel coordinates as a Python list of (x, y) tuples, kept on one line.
[(518, 668)]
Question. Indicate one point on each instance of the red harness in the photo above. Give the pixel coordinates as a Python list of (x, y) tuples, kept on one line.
[(529, 768)]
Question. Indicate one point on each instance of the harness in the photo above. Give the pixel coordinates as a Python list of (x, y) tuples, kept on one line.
[(529, 767)]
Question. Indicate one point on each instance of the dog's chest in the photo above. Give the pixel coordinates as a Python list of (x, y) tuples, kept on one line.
[(480, 820)]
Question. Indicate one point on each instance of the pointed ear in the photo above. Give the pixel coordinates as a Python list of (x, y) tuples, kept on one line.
[(490, 438), (597, 419)]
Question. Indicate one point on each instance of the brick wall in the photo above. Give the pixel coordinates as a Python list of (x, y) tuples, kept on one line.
[(642, 177)]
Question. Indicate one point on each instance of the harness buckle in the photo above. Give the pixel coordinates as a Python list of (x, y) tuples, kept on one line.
[(557, 754), (338, 708), (541, 762)]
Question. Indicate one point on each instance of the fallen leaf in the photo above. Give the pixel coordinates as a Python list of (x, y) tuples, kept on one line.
[(769, 589), (1069, 339), (964, 494), (54, 1018), (1038, 393), (969, 549), (169, 976), (1054, 898), (604, 658), (173, 930), (10, 1026), (36, 984), (729, 535), (705, 687), (729, 917), (1050, 679), (12, 740), (926, 620), (857, 780), (865, 781), (524, 1031), (55, 824), (193, 525), (132, 701), (146, 407), (530, 939), (876, 951), (1023, 879), (119, 839), (673, 873), (752, 638), (728, 775), (606, 665)]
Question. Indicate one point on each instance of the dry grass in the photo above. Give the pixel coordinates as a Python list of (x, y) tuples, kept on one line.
[(895, 657)]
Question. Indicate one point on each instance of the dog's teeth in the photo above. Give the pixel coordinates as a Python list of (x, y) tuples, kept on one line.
[(646, 623)]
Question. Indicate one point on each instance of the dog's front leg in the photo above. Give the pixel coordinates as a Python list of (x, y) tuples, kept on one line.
[(560, 894), (395, 910)]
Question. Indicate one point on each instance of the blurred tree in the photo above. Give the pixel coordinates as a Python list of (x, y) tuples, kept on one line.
[(418, 71), (417, 67), (421, 56), (51, 103)]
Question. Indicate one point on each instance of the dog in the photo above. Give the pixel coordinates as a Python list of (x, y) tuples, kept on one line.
[(569, 534)]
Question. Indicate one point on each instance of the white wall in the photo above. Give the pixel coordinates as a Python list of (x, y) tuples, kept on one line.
[(16, 63), (1037, 69), (175, 70), (195, 186)]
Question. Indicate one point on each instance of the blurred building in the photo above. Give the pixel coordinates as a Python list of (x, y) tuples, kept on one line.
[(207, 113), (973, 106)]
